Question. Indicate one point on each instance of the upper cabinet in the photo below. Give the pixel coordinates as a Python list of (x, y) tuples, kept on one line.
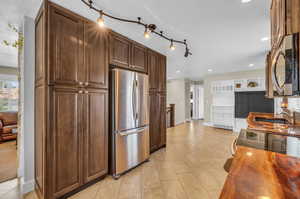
[(282, 63), (78, 53), (285, 19), (139, 57), (278, 25), (95, 56), (66, 49), (157, 71), (127, 54), (119, 50)]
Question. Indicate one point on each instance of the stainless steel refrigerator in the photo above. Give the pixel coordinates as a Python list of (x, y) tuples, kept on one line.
[(129, 120)]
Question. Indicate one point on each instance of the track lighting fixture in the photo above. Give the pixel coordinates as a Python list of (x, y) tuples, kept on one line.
[(146, 33), (172, 46), (100, 20), (148, 27)]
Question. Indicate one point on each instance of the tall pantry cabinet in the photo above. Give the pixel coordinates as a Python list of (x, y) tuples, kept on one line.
[(157, 94), (71, 102)]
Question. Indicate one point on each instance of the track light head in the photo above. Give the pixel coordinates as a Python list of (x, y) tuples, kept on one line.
[(100, 20), (172, 46), (146, 33), (187, 52)]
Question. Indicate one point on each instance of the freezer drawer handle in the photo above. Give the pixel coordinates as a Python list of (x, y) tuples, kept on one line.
[(132, 131)]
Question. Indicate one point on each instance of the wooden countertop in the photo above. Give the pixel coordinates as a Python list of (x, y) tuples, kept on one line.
[(259, 174), (281, 129)]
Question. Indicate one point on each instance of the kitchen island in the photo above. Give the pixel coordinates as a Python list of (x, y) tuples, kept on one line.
[(265, 166)]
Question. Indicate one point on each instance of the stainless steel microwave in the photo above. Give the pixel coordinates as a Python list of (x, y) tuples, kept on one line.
[(285, 67)]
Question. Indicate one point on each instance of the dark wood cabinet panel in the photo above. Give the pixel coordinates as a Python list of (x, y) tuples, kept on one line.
[(162, 73), (154, 126), (39, 49), (66, 48), (96, 56), (163, 114), (153, 72), (95, 134), (66, 139), (157, 128), (139, 58), (119, 51), (39, 139), (277, 21)]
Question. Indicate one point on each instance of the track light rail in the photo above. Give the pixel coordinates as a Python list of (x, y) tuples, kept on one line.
[(148, 27)]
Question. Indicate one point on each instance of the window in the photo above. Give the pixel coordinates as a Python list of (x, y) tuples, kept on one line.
[(9, 95)]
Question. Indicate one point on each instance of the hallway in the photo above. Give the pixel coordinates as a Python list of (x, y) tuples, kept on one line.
[(191, 167)]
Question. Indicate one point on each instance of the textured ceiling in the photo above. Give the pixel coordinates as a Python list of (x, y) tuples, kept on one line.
[(224, 35)]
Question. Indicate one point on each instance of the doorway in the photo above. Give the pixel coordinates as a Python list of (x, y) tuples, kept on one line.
[(197, 102)]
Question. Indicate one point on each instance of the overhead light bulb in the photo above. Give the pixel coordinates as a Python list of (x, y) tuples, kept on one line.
[(246, 1), (146, 33), (100, 20), (251, 65), (172, 46), (264, 39)]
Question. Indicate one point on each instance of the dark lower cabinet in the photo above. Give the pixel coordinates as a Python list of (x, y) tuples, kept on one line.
[(95, 137), (66, 140), (157, 129)]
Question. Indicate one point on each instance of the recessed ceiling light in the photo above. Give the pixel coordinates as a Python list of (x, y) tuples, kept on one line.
[(264, 39), (251, 65), (178, 71), (210, 70), (246, 1)]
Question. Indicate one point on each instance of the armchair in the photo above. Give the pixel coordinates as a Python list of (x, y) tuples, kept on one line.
[(8, 122)]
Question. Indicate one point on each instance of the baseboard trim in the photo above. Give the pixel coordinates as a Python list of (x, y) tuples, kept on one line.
[(27, 186)]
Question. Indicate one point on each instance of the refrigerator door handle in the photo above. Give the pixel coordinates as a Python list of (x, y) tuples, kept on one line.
[(133, 131), (133, 101)]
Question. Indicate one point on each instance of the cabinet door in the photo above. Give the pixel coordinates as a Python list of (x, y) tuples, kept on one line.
[(278, 21), (66, 140), (96, 56), (139, 58), (95, 134), (153, 71), (120, 51), (66, 48), (162, 120), (162, 73), (154, 124)]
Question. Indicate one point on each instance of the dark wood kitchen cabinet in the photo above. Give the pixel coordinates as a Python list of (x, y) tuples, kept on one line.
[(278, 28), (96, 56), (285, 19), (153, 70), (119, 50), (66, 140), (95, 134), (139, 57), (157, 89), (157, 126), (157, 71), (71, 102), (127, 54), (66, 33)]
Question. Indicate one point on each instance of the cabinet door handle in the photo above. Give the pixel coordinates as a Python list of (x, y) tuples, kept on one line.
[(86, 83), (80, 92)]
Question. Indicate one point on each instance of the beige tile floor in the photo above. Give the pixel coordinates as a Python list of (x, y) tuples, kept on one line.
[(191, 167)]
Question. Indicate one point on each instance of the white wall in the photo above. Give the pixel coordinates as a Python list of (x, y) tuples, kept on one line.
[(226, 76), (27, 73), (176, 95)]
